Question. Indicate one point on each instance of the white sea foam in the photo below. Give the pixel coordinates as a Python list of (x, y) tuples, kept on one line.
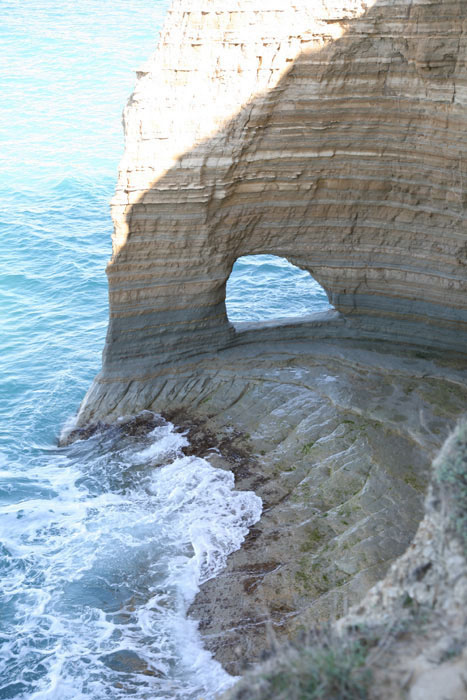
[(101, 577), (91, 561)]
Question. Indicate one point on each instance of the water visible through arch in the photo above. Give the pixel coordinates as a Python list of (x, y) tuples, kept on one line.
[(267, 287)]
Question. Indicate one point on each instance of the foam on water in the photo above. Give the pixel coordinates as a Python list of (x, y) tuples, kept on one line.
[(103, 566), (104, 543)]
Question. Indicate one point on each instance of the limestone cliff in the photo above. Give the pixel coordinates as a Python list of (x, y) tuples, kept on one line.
[(329, 132)]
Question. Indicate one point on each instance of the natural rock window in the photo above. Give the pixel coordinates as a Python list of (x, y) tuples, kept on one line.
[(266, 287)]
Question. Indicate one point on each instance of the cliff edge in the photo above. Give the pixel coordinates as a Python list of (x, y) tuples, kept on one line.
[(332, 133)]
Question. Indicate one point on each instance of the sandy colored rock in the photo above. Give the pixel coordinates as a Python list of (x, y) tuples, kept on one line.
[(446, 682), (332, 133)]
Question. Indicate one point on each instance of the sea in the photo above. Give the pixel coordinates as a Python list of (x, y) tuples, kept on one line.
[(104, 543)]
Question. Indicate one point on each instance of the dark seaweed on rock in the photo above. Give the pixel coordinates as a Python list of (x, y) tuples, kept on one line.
[(138, 426)]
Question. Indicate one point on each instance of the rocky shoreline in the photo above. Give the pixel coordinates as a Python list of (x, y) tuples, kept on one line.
[(407, 639), (340, 452), (338, 443), (332, 134)]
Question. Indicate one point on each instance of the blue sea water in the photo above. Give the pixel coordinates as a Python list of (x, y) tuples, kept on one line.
[(266, 287), (104, 543)]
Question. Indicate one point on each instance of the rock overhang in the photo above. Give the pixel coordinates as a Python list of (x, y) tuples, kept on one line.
[(329, 133)]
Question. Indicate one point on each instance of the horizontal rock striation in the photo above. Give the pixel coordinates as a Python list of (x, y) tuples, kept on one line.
[(339, 443), (332, 133), (411, 627)]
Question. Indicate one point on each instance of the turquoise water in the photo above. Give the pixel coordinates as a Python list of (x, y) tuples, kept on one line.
[(102, 544), (266, 287)]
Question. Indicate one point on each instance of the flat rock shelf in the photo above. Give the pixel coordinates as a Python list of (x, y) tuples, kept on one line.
[(338, 443)]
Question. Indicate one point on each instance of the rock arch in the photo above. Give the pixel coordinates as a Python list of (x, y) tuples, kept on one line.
[(272, 289), (303, 131)]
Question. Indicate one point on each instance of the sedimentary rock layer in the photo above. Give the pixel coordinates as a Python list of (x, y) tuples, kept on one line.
[(332, 133), (412, 625), (339, 443)]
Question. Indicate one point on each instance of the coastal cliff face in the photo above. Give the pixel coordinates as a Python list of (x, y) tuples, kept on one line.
[(331, 133)]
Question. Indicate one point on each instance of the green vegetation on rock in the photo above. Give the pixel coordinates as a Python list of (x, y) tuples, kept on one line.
[(451, 479), (328, 667)]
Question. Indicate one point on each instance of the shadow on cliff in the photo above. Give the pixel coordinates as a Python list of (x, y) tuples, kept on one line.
[(338, 169)]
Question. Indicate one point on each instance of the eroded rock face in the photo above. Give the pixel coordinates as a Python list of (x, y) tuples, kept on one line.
[(329, 132), (412, 626), (340, 442)]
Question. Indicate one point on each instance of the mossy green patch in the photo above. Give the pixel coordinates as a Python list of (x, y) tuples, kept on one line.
[(444, 398), (313, 540), (412, 480), (451, 479), (325, 668), (306, 449), (303, 578)]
